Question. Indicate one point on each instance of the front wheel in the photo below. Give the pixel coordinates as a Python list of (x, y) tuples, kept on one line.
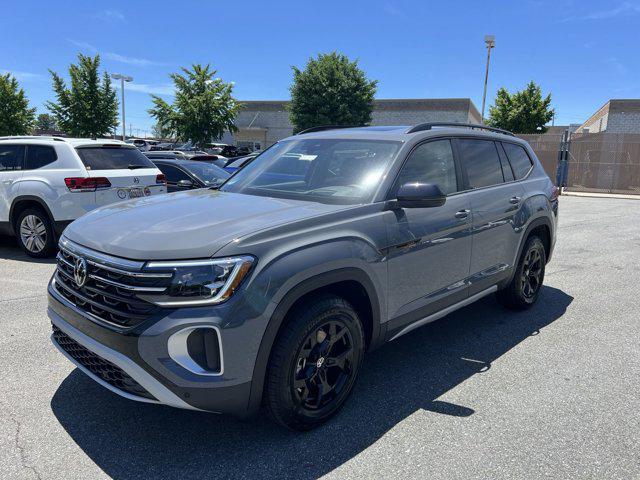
[(524, 288), (314, 363)]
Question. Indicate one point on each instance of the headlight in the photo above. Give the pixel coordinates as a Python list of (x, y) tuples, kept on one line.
[(200, 282)]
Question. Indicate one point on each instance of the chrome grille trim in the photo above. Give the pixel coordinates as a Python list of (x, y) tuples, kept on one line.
[(109, 292)]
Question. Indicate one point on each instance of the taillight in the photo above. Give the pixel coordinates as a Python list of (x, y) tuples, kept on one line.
[(161, 179), (555, 192), (86, 184)]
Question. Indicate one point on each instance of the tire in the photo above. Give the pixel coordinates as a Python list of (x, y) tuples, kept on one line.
[(35, 233), (314, 363), (524, 289)]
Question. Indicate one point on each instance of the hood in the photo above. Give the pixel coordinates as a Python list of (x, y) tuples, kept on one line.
[(185, 225)]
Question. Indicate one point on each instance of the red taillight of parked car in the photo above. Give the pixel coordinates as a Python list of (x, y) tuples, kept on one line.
[(87, 184), (161, 179)]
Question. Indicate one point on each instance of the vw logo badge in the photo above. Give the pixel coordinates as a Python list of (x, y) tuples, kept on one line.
[(80, 272), (136, 180)]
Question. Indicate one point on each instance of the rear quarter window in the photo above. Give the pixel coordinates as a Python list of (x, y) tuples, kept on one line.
[(11, 157), (519, 159), (113, 158)]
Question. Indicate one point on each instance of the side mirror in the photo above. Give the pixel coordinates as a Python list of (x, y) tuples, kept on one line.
[(185, 184), (420, 195)]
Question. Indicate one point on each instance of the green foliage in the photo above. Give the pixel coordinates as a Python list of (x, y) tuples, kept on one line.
[(521, 112), (160, 132), (331, 90), (16, 118), (203, 108), (89, 108), (46, 122)]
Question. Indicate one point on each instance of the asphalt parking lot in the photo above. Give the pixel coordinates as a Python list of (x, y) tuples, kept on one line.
[(483, 393)]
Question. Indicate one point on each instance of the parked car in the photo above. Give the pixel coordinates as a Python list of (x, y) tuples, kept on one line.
[(218, 160), (157, 155), (234, 164), (46, 182), (270, 290), (189, 175), (143, 145)]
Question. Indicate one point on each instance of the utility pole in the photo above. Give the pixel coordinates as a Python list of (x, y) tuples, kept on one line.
[(122, 78), (490, 42)]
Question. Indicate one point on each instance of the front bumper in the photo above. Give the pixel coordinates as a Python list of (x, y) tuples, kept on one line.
[(142, 355)]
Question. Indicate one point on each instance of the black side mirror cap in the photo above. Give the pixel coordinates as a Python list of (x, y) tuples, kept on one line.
[(420, 195)]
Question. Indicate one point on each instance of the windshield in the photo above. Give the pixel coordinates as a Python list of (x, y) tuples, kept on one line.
[(337, 171), (113, 158), (208, 173)]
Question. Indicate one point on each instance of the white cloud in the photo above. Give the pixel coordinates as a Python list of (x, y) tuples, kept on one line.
[(156, 89), (22, 76), (115, 57), (111, 15), (625, 8)]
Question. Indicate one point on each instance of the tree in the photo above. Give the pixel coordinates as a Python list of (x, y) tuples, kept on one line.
[(521, 112), (46, 123), (159, 131), (16, 118), (90, 107), (203, 108), (331, 90)]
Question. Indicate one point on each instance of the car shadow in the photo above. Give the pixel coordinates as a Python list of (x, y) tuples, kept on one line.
[(9, 250), (132, 440)]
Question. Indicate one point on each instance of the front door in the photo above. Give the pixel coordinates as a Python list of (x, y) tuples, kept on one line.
[(429, 248)]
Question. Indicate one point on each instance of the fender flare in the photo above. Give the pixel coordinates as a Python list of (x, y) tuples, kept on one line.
[(533, 224), (29, 198), (294, 294)]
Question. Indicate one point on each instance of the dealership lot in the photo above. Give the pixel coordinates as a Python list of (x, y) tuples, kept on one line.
[(484, 393)]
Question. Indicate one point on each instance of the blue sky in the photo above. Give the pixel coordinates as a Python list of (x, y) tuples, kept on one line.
[(583, 52)]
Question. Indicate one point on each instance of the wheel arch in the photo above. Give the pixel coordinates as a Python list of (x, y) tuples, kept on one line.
[(542, 225), (21, 203), (350, 283)]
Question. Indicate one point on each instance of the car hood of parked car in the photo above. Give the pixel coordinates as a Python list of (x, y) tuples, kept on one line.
[(185, 225)]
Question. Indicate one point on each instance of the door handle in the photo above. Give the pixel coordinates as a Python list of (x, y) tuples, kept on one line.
[(514, 200), (462, 213)]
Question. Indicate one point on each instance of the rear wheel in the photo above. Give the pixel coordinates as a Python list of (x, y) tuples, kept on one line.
[(314, 363), (524, 288), (35, 233)]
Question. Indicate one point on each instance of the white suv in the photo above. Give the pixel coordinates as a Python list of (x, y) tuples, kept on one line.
[(47, 182)]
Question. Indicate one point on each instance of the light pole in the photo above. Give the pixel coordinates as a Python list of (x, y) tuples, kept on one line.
[(122, 78), (490, 42)]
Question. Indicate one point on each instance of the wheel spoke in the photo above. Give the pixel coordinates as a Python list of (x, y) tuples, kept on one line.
[(40, 230), (340, 359)]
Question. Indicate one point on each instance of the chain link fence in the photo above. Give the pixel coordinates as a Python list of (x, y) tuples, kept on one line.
[(597, 162)]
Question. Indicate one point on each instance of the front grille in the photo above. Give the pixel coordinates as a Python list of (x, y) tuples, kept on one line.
[(100, 367), (109, 292)]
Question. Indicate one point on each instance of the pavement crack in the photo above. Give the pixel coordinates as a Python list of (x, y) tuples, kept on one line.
[(21, 449)]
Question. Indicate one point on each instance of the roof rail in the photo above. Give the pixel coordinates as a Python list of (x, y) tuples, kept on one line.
[(322, 128), (474, 126), (33, 137)]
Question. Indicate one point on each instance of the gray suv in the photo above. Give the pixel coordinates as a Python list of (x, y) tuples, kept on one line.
[(269, 290)]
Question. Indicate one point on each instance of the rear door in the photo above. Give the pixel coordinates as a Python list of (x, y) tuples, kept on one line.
[(495, 199), (129, 173), (11, 164)]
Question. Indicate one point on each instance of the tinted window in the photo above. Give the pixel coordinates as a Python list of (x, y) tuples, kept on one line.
[(11, 157), (431, 162), (480, 158), (173, 174), (113, 158), (507, 172), (39, 156), (519, 159), (207, 173)]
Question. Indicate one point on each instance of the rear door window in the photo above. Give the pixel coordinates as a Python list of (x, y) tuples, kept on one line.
[(113, 158), (481, 161), (11, 157), (39, 156), (519, 159)]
